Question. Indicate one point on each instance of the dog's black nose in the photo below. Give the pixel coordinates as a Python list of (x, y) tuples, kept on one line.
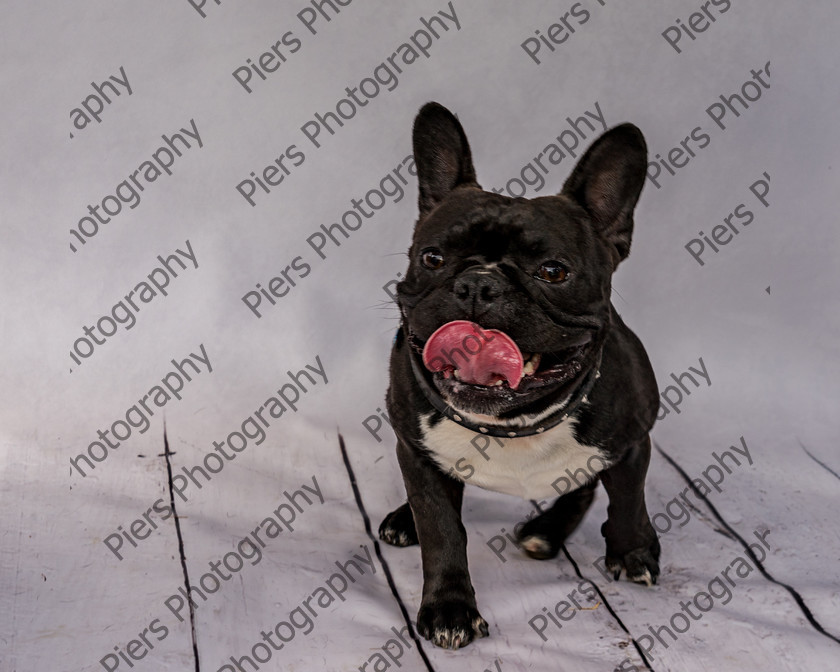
[(477, 290)]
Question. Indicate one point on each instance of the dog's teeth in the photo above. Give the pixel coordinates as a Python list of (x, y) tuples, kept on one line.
[(531, 365), (457, 374)]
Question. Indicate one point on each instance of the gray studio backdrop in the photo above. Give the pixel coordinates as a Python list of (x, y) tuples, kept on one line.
[(205, 205)]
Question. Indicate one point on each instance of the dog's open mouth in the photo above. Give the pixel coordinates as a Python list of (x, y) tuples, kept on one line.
[(463, 357)]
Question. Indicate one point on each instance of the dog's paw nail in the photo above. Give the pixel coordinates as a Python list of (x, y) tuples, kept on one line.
[(450, 625), (398, 528), (450, 639), (537, 547), (395, 537), (640, 565), (644, 578)]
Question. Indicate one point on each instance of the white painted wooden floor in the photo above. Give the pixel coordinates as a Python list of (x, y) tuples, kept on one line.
[(283, 572)]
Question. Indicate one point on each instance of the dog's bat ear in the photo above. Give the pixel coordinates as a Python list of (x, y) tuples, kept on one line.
[(607, 182), (442, 155)]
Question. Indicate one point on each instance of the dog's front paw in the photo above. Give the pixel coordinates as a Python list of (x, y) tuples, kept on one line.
[(451, 624), (641, 565), (398, 527)]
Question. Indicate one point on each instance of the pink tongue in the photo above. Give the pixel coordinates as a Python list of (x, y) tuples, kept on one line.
[(482, 357)]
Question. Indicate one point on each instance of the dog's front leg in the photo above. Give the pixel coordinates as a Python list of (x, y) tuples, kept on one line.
[(448, 615), (632, 544)]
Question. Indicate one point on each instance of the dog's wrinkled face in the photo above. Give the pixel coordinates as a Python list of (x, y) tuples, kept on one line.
[(533, 270), (507, 300)]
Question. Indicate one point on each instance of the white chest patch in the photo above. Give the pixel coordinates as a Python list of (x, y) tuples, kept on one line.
[(533, 467)]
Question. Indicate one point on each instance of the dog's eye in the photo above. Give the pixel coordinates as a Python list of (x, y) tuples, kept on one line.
[(432, 258), (552, 271)]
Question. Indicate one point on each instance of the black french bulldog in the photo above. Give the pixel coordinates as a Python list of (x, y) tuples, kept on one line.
[(512, 370)]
